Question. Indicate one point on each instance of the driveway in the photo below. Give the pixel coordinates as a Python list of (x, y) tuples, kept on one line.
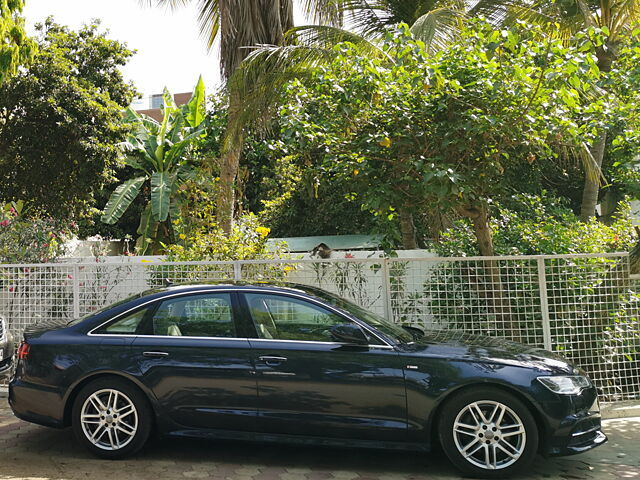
[(32, 452)]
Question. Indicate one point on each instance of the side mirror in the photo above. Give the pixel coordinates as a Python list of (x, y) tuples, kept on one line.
[(348, 333)]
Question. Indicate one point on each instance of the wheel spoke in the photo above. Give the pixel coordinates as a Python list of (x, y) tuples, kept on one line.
[(487, 456), (129, 411), (126, 429), (465, 450), (513, 454), (520, 431), (95, 437), (465, 429), (113, 404), (114, 444)]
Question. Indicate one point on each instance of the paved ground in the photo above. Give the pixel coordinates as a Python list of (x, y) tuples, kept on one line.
[(32, 452)]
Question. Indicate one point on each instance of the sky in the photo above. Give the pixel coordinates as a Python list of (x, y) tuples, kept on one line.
[(170, 51)]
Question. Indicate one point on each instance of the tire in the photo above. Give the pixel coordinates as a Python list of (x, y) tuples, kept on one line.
[(111, 418), (488, 433)]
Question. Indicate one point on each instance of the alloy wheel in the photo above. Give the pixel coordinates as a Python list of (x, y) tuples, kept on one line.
[(109, 419), (489, 435)]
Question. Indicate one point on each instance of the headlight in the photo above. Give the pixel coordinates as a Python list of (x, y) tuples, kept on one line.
[(565, 385)]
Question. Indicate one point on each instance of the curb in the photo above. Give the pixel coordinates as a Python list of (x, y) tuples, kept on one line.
[(617, 410)]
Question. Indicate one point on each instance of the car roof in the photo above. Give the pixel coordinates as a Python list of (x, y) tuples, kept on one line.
[(276, 286)]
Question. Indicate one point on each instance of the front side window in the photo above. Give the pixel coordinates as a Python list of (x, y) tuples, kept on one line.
[(207, 315), (284, 318)]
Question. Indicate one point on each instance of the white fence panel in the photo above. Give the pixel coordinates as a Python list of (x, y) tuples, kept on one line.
[(583, 306)]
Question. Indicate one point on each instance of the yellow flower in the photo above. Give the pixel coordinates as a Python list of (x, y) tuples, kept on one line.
[(182, 236), (386, 142), (263, 231), (356, 172)]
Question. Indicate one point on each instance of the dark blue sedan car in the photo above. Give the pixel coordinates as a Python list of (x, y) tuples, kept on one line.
[(281, 362)]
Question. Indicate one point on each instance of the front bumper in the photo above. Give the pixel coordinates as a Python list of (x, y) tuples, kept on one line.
[(578, 432)]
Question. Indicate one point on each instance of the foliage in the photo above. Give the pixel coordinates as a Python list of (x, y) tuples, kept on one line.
[(63, 114), (539, 225), (415, 132), (247, 241), (161, 155), (16, 48), (32, 239)]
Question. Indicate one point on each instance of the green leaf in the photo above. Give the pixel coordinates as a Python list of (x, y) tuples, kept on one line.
[(148, 230), (161, 183), (195, 109), (121, 198)]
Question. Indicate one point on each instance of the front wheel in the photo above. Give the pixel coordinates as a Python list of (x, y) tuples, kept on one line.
[(488, 433), (111, 418)]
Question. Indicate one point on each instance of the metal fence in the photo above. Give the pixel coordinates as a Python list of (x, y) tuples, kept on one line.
[(583, 306)]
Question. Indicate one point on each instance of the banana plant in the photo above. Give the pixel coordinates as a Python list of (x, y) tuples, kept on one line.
[(161, 153)]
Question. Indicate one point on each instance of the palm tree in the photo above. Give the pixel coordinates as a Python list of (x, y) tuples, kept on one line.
[(565, 18)]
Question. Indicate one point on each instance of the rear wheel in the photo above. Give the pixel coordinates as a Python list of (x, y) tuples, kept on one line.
[(488, 433), (111, 418)]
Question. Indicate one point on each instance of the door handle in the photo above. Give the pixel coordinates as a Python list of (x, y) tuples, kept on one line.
[(272, 360), (155, 354)]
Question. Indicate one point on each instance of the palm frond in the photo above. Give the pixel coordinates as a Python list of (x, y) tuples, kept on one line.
[(325, 12), (261, 78), (438, 28)]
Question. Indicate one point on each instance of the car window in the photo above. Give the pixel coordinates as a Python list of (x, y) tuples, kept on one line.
[(285, 318), (126, 325), (208, 315)]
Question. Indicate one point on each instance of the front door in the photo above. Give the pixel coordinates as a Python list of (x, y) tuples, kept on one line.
[(310, 385), (198, 364)]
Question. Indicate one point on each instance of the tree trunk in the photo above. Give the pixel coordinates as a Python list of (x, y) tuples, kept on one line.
[(479, 217), (229, 165), (494, 292), (407, 230), (592, 182)]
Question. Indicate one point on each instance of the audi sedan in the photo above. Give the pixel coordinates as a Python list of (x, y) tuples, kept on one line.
[(291, 363)]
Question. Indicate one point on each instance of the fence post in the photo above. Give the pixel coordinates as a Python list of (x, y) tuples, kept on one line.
[(544, 304), (76, 291), (237, 270), (388, 308)]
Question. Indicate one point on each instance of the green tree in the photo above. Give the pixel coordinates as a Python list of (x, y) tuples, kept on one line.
[(60, 120), (161, 153), (16, 48), (563, 19), (413, 131)]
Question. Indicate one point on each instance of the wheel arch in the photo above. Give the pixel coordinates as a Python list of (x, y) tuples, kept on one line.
[(80, 384), (541, 422)]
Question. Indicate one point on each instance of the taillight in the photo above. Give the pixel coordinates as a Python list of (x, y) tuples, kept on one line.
[(23, 351)]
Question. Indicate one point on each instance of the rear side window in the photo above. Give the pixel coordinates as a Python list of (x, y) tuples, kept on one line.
[(207, 315), (127, 325)]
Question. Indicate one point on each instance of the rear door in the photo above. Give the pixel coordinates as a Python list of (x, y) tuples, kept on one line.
[(196, 359), (310, 385)]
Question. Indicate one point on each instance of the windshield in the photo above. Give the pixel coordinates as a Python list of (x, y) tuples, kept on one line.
[(390, 329)]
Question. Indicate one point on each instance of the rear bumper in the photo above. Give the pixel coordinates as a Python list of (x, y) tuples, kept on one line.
[(36, 404)]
